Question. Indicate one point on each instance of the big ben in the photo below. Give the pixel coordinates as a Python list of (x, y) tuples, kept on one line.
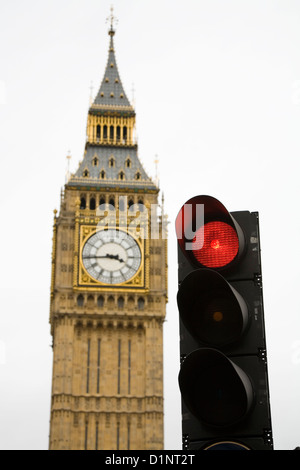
[(108, 288)]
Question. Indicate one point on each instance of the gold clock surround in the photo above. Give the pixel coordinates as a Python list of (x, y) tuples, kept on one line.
[(83, 281)]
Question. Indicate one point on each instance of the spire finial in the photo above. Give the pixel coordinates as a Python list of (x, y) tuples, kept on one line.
[(113, 20)]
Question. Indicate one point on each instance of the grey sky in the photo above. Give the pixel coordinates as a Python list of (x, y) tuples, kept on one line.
[(217, 95)]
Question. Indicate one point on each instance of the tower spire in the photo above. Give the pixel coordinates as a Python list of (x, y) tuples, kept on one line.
[(111, 92), (113, 20)]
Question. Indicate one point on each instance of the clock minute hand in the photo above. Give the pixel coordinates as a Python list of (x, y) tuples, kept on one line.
[(97, 257), (116, 257)]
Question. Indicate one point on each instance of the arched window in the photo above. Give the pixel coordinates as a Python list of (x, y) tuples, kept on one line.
[(112, 202), (98, 132), (86, 174), (105, 132), (90, 301), (102, 200), (141, 303), (118, 133), (92, 204), (111, 132), (128, 163), (100, 301), (82, 203), (121, 175), (125, 134), (111, 162), (80, 300), (121, 302), (130, 203), (95, 161), (102, 175), (138, 176)]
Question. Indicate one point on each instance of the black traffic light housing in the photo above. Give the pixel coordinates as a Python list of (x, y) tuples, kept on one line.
[(223, 377)]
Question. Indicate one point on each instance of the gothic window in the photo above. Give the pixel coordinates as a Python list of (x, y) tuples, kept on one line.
[(86, 174), (98, 132), (102, 175), (82, 203), (92, 204), (121, 175), (111, 162), (125, 134), (100, 301), (130, 203), (112, 202), (128, 163), (118, 133), (80, 300), (121, 302), (95, 161), (141, 303), (111, 133), (138, 175), (105, 132), (102, 200)]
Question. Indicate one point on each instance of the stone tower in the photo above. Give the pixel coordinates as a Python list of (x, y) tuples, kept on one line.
[(108, 289)]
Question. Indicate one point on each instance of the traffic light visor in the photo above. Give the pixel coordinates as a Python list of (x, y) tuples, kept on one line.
[(208, 234)]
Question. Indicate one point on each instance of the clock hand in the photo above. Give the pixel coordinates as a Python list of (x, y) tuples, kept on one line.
[(116, 257), (97, 257)]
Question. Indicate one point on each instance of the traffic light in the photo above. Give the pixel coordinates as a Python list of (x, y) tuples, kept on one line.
[(223, 375)]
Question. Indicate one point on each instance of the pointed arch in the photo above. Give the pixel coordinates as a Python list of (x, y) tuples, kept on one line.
[(92, 203), (82, 202)]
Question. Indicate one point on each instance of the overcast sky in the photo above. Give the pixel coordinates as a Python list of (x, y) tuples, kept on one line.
[(217, 95)]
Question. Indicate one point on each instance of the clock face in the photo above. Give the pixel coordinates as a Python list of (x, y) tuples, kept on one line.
[(111, 256)]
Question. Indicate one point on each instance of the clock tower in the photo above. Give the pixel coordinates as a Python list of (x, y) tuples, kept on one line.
[(108, 289)]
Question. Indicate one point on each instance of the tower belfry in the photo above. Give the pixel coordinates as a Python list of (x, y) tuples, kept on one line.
[(108, 288)]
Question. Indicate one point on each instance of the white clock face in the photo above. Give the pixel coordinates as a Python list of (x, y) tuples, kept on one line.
[(111, 256)]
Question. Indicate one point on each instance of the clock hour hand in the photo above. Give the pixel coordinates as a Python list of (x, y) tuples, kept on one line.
[(116, 257)]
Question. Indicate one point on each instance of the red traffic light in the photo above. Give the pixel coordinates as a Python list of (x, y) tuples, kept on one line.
[(208, 234)]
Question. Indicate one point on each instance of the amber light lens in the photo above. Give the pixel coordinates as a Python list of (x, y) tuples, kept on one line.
[(216, 244)]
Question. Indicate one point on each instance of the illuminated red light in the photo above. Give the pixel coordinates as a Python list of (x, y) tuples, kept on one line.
[(216, 244)]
